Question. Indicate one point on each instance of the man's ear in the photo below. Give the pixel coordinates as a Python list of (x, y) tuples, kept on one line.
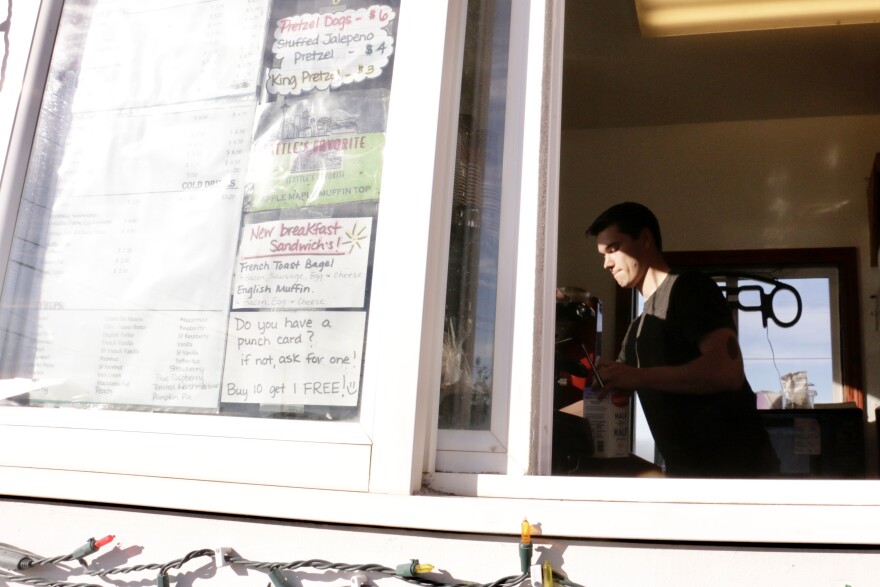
[(647, 239)]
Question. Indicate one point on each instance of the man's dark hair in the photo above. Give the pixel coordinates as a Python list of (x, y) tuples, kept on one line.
[(631, 218)]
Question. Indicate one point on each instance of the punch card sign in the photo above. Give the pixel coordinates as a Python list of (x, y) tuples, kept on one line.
[(294, 358)]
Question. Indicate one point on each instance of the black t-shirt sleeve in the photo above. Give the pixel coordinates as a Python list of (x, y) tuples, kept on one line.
[(699, 305)]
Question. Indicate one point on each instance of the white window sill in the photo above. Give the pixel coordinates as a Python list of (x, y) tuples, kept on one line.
[(783, 512)]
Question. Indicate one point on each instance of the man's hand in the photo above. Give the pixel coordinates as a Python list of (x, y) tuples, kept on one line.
[(618, 376)]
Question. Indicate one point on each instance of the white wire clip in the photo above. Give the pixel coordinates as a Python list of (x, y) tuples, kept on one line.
[(220, 554), (537, 576)]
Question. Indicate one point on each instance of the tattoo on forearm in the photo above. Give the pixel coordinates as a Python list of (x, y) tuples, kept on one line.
[(732, 348)]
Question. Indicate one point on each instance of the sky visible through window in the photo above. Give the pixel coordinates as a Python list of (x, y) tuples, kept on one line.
[(774, 351)]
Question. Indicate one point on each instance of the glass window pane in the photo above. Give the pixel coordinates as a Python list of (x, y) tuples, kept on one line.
[(772, 352), (469, 332), (196, 231)]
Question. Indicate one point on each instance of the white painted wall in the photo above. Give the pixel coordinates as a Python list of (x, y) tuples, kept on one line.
[(144, 537), (731, 185)]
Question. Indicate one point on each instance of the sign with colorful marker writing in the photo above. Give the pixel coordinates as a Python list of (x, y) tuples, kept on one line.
[(325, 50), (303, 263), (319, 133), (294, 358)]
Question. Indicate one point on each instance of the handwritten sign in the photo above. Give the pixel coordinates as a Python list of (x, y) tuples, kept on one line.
[(319, 131), (294, 358), (322, 51), (314, 263)]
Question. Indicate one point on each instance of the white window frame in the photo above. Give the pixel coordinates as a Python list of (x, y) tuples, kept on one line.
[(19, 37), (525, 311), (380, 452), (487, 450), (510, 446)]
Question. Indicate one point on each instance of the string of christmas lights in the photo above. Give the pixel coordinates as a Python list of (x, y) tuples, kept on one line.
[(414, 572)]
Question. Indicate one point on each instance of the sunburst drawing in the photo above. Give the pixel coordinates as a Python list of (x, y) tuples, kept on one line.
[(355, 237)]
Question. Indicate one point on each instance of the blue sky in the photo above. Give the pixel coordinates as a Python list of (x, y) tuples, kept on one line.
[(806, 346)]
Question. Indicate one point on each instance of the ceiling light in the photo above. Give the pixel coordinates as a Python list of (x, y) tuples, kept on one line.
[(660, 18)]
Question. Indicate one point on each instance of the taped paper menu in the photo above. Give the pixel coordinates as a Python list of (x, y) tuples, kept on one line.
[(157, 359), (294, 358), (118, 287), (103, 252), (310, 263), (320, 130), (199, 147), (129, 257), (141, 54)]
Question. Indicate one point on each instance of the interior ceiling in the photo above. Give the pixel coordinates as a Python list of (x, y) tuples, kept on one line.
[(612, 77)]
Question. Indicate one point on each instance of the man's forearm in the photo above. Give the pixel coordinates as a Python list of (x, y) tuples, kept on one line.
[(701, 375)]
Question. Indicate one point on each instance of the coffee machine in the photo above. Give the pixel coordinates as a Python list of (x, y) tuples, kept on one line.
[(578, 343), (578, 346)]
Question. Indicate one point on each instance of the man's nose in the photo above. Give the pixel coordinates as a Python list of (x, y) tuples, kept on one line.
[(609, 263)]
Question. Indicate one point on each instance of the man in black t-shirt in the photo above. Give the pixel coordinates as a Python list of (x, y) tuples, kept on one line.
[(682, 357)]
